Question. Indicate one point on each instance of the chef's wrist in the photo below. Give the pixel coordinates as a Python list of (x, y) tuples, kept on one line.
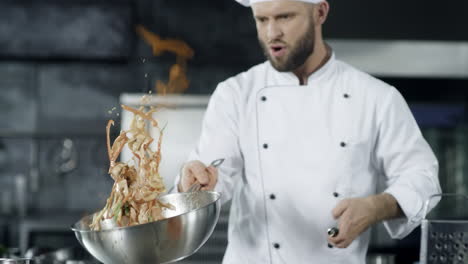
[(373, 216), (386, 207)]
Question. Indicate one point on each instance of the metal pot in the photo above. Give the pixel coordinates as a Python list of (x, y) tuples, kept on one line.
[(65, 256), (179, 235), (60, 256), (380, 259), (16, 261)]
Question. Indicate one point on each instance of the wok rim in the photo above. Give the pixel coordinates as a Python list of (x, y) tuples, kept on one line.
[(74, 229)]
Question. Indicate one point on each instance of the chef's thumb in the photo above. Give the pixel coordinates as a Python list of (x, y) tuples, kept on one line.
[(198, 170), (202, 178), (339, 209)]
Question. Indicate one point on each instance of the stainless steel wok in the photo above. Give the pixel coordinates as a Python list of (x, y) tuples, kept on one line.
[(181, 234)]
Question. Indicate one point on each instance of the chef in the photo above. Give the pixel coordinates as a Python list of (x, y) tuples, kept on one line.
[(310, 143)]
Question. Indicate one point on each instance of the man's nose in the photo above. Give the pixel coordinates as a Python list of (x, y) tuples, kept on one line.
[(274, 31)]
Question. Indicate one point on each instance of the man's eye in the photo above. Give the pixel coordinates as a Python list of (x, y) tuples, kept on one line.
[(285, 17)]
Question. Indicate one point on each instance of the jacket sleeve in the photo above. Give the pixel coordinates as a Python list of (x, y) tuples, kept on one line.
[(407, 162), (220, 138)]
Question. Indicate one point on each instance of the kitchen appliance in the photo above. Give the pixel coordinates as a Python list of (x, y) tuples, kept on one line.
[(182, 232), (65, 256), (444, 240), (380, 259), (182, 116), (16, 261)]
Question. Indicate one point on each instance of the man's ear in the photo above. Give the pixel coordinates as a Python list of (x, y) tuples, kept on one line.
[(321, 12)]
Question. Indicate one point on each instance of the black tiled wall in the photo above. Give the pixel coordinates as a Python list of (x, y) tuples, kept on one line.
[(18, 104), (83, 189), (77, 29), (77, 97)]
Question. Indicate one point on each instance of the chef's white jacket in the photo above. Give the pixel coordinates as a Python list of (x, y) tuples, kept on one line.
[(294, 151)]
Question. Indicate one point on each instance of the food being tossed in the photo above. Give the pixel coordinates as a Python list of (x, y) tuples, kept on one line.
[(137, 184)]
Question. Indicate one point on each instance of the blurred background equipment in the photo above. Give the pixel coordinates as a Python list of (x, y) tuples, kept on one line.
[(183, 115), (444, 237)]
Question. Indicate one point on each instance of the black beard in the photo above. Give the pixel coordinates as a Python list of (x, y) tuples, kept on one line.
[(299, 54)]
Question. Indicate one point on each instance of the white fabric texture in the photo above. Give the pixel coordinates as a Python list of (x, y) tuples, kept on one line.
[(289, 148), (250, 2)]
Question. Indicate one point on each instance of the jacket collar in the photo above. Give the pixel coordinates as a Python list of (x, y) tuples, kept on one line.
[(277, 78)]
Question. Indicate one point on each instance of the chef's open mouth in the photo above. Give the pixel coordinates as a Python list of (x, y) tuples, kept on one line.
[(277, 48)]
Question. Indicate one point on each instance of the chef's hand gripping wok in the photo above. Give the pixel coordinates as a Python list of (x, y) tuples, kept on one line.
[(197, 186)]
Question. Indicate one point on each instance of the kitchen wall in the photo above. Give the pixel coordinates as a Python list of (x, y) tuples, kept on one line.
[(63, 65)]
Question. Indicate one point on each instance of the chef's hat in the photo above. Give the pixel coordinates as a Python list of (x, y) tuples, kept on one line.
[(249, 2)]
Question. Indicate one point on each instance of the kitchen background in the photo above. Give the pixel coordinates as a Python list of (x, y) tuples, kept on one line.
[(65, 64)]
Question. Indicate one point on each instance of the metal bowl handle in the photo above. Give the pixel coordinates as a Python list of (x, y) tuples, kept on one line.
[(426, 206)]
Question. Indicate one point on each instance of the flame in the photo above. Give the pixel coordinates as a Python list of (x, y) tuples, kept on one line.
[(178, 81)]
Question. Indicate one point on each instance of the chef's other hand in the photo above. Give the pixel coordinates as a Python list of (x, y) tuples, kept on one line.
[(355, 216), (196, 171)]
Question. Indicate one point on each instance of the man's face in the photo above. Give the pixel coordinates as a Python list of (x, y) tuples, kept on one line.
[(286, 32)]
